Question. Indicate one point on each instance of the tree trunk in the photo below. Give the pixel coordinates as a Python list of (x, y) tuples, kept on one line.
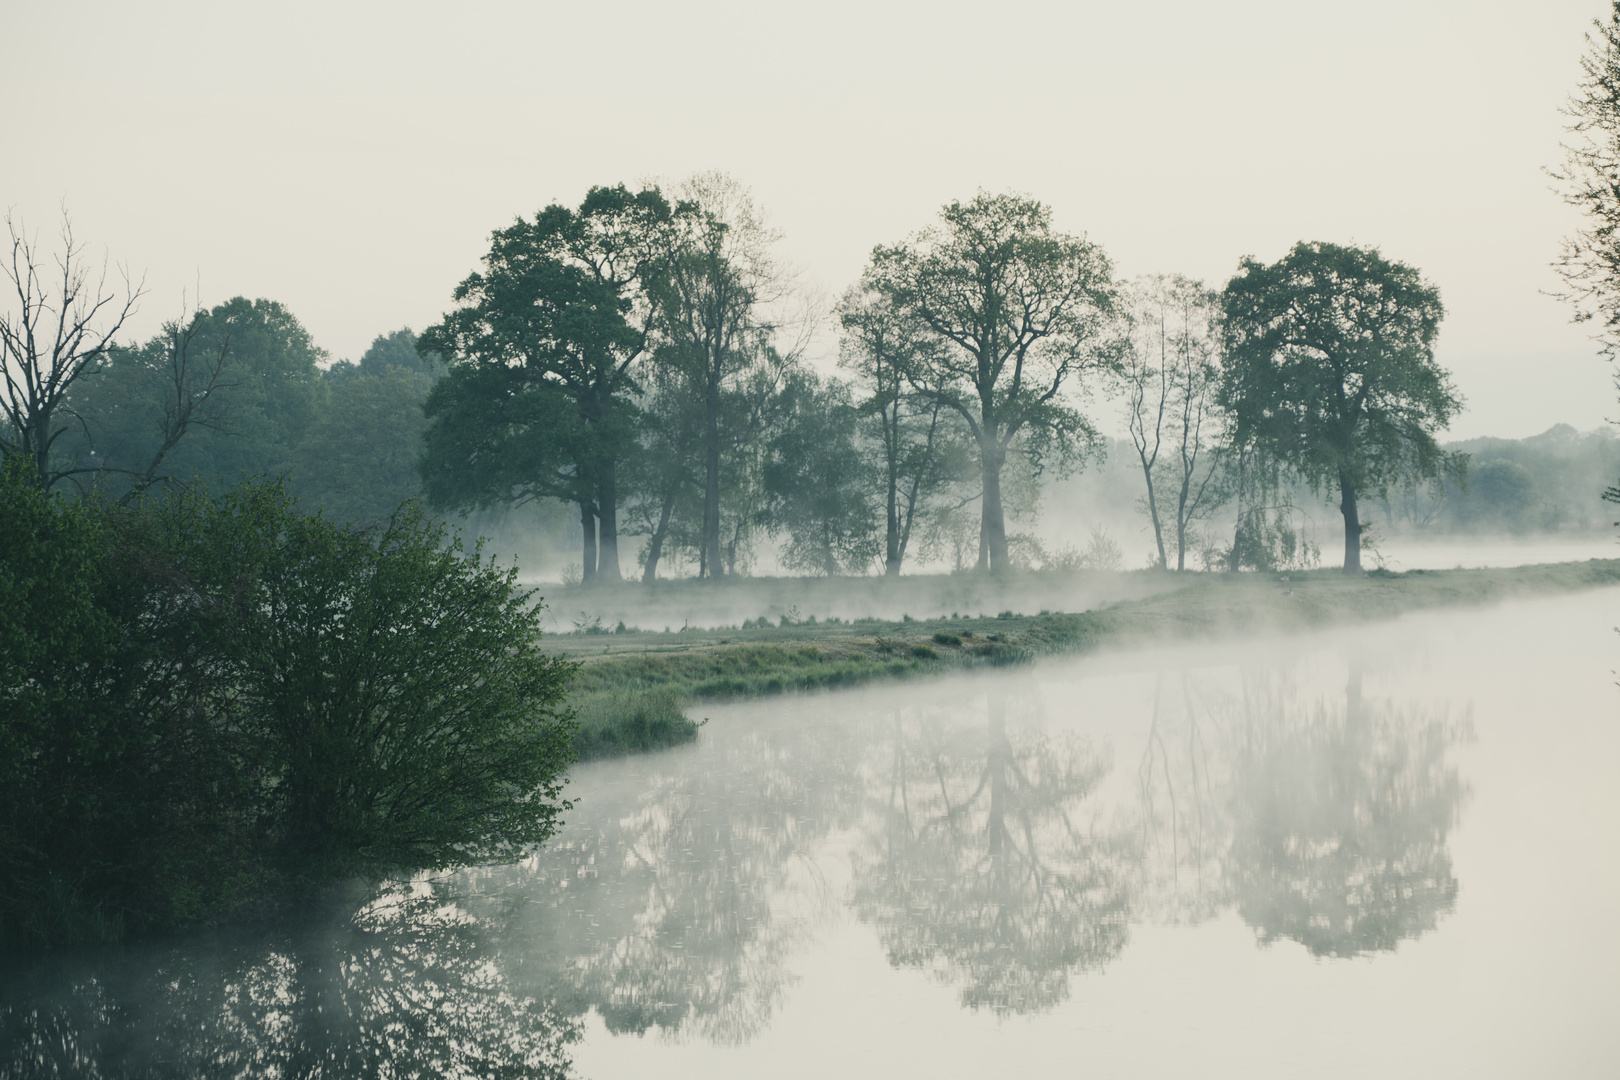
[(995, 522), (1352, 526), (711, 482), (1153, 508), (891, 561), (655, 546), (587, 528), (607, 559)]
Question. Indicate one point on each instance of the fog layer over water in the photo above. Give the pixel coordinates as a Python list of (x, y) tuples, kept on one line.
[(1389, 850)]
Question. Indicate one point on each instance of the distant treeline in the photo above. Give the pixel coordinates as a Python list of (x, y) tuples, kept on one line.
[(1548, 482), (643, 359)]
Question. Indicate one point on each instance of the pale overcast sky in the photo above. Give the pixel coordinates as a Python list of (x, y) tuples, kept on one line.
[(350, 160)]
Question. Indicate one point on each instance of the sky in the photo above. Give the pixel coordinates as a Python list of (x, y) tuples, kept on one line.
[(351, 160)]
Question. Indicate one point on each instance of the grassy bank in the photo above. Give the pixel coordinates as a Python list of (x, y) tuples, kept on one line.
[(633, 688)]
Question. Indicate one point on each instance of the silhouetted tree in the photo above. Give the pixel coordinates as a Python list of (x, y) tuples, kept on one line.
[(1330, 367), (1171, 379), (818, 483), (1590, 181), (60, 330), (916, 438), (539, 402)]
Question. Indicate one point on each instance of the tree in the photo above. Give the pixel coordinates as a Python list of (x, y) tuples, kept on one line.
[(818, 483), (1170, 379), (548, 334), (266, 399), (915, 437), (713, 316), (1019, 310), (60, 331), (358, 458), (1330, 366), (136, 407), (399, 350), (1589, 180), (666, 472)]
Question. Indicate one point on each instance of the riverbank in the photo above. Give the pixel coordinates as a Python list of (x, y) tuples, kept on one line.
[(633, 688)]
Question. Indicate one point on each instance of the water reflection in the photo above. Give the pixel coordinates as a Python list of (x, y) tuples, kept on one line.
[(1340, 817), (987, 845), (1183, 783), (676, 899), (402, 989), (982, 862)]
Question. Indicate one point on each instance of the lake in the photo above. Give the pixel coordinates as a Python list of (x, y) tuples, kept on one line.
[(1389, 850)]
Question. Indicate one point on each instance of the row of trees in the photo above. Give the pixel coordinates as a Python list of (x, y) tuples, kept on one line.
[(640, 358)]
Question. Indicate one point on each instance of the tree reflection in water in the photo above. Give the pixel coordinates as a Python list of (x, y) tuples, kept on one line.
[(684, 885), (676, 900), (1339, 818), (402, 989), (1185, 827), (982, 864)]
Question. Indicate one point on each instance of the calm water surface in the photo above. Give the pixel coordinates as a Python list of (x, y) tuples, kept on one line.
[(1390, 851)]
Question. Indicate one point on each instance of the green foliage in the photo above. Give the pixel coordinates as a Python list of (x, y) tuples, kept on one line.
[(631, 721), (207, 698), (539, 400), (1017, 310), (357, 459), (264, 397), (1330, 368), (1268, 542), (819, 483)]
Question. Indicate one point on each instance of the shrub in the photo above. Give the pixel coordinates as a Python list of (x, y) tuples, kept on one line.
[(206, 696)]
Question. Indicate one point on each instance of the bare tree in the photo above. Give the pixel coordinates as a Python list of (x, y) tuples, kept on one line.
[(186, 387), (1171, 380), (1147, 390), (61, 329), (1589, 180)]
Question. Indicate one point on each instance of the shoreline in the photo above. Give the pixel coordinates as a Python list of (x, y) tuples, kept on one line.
[(632, 689)]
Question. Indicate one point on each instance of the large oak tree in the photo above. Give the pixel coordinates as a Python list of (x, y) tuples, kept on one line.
[(1330, 366), (539, 402)]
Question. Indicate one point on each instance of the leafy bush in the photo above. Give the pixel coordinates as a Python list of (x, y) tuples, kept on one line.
[(210, 699)]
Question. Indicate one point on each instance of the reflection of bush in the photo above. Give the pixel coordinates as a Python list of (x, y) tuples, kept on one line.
[(978, 867), (1340, 817), (674, 900), (397, 991)]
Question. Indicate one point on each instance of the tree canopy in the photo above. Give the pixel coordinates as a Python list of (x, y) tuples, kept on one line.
[(1020, 309), (541, 348), (1330, 365)]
